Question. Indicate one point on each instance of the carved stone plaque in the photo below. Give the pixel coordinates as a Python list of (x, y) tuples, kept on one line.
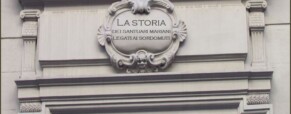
[(142, 35), (131, 33)]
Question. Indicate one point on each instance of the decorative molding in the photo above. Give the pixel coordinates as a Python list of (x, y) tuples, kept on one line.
[(256, 14), (30, 14), (256, 103), (258, 109), (142, 60), (144, 78), (208, 97), (258, 99), (160, 104), (256, 5), (30, 25), (178, 59), (257, 25), (29, 56), (29, 30), (256, 21), (29, 35), (140, 6), (146, 105), (30, 107)]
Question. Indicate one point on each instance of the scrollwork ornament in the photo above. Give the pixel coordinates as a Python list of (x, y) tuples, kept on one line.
[(142, 60), (256, 4)]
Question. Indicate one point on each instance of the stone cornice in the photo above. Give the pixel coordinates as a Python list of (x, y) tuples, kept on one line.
[(145, 78), (148, 106), (178, 59), (41, 3), (149, 90)]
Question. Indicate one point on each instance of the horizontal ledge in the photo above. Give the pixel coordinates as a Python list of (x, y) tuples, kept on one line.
[(137, 96), (146, 106), (29, 3), (143, 78), (178, 59), (77, 62)]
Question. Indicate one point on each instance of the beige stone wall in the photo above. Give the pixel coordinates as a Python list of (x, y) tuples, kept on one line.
[(278, 46), (11, 52), (277, 34)]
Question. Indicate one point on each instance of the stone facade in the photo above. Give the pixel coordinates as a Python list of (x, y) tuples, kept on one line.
[(235, 60)]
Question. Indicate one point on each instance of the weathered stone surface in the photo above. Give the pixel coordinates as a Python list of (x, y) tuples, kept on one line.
[(216, 27), (210, 30), (278, 50), (211, 27), (96, 71), (11, 52), (278, 12), (9, 98), (11, 22), (9, 111), (219, 111)]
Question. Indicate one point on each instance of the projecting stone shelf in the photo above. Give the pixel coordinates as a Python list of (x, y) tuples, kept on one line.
[(154, 83), (211, 89), (144, 78)]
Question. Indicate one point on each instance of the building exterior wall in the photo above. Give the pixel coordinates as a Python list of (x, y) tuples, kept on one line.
[(276, 35)]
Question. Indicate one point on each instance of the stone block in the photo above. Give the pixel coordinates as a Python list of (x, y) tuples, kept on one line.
[(278, 11), (4, 111), (9, 98), (71, 34), (11, 55), (11, 22), (278, 51)]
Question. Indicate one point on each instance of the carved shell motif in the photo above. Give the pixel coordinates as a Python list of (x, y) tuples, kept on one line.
[(103, 35), (180, 31)]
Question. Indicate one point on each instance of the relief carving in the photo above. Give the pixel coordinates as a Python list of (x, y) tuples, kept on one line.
[(142, 58), (256, 5), (258, 99), (29, 17), (29, 35), (30, 107), (256, 10)]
